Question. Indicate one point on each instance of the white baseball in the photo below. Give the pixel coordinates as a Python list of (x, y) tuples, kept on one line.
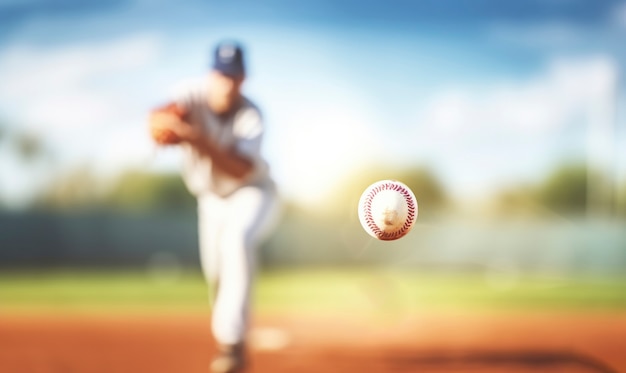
[(387, 210)]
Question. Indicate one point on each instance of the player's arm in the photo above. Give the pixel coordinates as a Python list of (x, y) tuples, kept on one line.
[(227, 160), (168, 122)]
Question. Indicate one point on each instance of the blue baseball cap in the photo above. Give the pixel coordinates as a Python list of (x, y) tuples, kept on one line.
[(228, 59)]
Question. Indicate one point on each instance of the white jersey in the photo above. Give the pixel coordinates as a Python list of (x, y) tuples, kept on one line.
[(242, 131)]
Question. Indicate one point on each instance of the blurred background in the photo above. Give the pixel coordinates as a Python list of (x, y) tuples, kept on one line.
[(505, 118)]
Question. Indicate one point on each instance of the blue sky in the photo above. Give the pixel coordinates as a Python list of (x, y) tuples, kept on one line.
[(486, 93)]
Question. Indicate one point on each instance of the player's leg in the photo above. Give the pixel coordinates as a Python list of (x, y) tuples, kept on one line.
[(209, 225), (250, 211)]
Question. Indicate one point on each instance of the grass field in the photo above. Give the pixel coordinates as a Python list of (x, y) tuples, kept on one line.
[(306, 290), (370, 320)]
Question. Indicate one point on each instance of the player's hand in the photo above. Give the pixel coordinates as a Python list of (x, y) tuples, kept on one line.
[(167, 126)]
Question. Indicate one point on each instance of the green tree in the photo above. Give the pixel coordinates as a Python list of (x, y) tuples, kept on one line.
[(428, 190), (425, 185), (74, 189), (138, 190), (133, 190), (30, 147), (32, 163), (565, 189)]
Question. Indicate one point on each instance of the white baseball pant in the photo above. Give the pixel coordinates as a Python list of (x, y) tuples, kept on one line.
[(230, 231)]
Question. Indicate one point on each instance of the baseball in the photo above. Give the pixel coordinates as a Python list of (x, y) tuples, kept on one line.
[(387, 210)]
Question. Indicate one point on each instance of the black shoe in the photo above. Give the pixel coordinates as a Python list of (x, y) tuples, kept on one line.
[(230, 359)]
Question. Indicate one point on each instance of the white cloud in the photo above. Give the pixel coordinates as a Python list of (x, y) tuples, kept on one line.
[(51, 89), (482, 137), (71, 97), (69, 111), (532, 107), (29, 72)]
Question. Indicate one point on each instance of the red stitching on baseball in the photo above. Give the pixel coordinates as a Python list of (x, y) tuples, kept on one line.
[(369, 219)]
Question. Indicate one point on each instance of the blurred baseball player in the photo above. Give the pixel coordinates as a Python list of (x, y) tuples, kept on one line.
[(220, 132)]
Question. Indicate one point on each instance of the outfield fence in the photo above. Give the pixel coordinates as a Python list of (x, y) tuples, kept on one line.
[(101, 239)]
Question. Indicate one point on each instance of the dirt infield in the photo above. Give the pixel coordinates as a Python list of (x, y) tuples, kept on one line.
[(430, 342)]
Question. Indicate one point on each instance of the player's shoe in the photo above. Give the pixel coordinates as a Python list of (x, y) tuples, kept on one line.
[(230, 359)]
